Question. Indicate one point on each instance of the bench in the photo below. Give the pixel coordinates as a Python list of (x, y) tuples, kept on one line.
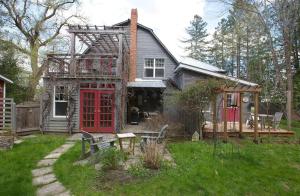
[(95, 143)]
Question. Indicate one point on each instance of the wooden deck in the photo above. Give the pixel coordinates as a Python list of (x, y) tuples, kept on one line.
[(208, 132)]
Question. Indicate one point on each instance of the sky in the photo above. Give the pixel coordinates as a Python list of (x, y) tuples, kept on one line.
[(168, 18)]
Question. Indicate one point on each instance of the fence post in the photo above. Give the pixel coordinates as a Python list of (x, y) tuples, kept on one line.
[(13, 117)]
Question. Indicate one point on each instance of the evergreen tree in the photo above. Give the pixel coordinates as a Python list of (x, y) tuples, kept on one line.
[(10, 69), (196, 43)]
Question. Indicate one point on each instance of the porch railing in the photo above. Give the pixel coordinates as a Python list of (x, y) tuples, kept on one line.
[(82, 65)]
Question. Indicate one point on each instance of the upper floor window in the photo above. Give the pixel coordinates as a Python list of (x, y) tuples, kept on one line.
[(154, 68), (60, 101)]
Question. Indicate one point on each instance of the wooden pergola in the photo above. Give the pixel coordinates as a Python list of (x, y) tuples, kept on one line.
[(240, 89)]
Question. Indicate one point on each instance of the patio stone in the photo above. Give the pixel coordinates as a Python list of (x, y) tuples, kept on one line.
[(42, 180), (46, 162), (41, 171), (66, 193), (53, 155), (54, 188)]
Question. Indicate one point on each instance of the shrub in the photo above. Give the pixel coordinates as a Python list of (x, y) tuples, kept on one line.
[(110, 158), (138, 170), (152, 157)]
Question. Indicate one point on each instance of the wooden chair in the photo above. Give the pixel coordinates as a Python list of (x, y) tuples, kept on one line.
[(276, 119), (95, 143), (157, 137)]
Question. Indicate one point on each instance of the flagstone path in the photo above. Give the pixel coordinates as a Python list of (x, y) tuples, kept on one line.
[(44, 177)]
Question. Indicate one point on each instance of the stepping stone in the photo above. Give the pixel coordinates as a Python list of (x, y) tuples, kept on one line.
[(41, 171), (55, 155), (42, 180), (67, 193), (54, 188), (46, 162), (18, 141)]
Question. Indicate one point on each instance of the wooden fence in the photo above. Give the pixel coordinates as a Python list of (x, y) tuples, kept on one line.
[(27, 118), (7, 113)]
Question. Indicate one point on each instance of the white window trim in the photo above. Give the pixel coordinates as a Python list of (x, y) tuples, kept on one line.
[(154, 68), (54, 102)]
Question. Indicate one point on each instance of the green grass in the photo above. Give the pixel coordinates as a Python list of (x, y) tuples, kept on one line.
[(237, 169), (295, 126), (16, 164)]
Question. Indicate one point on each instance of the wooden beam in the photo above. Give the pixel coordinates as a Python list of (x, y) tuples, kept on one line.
[(120, 55), (225, 117), (96, 31), (99, 41), (214, 117), (106, 42), (241, 114), (73, 65), (93, 42), (112, 40), (255, 117)]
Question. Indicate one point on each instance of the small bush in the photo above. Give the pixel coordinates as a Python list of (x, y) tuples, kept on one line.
[(110, 158), (152, 157), (138, 170)]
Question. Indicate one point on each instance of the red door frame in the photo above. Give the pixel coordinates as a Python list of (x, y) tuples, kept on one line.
[(97, 105), (233, 113)]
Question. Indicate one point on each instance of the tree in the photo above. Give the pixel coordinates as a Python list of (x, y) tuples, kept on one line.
[(30, 26), (196, 43), (10, 69)]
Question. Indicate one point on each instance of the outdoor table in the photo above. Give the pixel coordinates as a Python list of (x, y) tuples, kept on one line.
[(131, 137), (263, 118)]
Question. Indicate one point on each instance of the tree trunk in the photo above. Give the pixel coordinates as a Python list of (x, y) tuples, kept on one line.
[(238, 57), (36, 72), (287, 54)]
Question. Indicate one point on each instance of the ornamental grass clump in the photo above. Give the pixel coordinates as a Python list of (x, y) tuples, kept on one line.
[(152, 157)]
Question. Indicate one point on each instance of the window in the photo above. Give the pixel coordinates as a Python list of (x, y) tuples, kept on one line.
[(154, 68), (60, 101), (231, 100)]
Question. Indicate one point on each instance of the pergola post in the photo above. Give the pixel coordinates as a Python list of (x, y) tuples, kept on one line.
[(214, 116), (255, 117), (241, 114), (120, 55), (72, 67), (225, 117)]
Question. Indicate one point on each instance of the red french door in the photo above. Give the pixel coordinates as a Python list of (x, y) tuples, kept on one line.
[(97, 111)]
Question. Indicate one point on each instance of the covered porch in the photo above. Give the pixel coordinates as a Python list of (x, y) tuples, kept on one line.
[(145, 99)]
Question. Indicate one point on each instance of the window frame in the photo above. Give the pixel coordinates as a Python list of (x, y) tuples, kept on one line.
[(154, 68), (60, 101)]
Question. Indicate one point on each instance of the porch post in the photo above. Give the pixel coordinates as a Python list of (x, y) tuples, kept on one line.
[(255, 117), (241, 115), (225, 117)]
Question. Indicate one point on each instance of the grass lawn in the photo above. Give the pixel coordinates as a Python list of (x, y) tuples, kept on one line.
[(16, 164), (241, 168), (295, 126)]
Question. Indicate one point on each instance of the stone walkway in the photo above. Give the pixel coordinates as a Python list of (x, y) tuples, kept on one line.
[(43, 176)]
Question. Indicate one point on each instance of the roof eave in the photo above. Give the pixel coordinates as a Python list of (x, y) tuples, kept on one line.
[(6, 79)]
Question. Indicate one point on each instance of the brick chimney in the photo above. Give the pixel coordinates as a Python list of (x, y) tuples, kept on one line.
[(133, 45)]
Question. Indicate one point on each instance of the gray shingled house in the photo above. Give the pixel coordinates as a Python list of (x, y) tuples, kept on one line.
[(124, 66)]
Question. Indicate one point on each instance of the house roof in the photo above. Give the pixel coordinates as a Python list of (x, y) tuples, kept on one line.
[(139, 83), (198, 64), (214, 74), (5, 79), (126, 22)]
